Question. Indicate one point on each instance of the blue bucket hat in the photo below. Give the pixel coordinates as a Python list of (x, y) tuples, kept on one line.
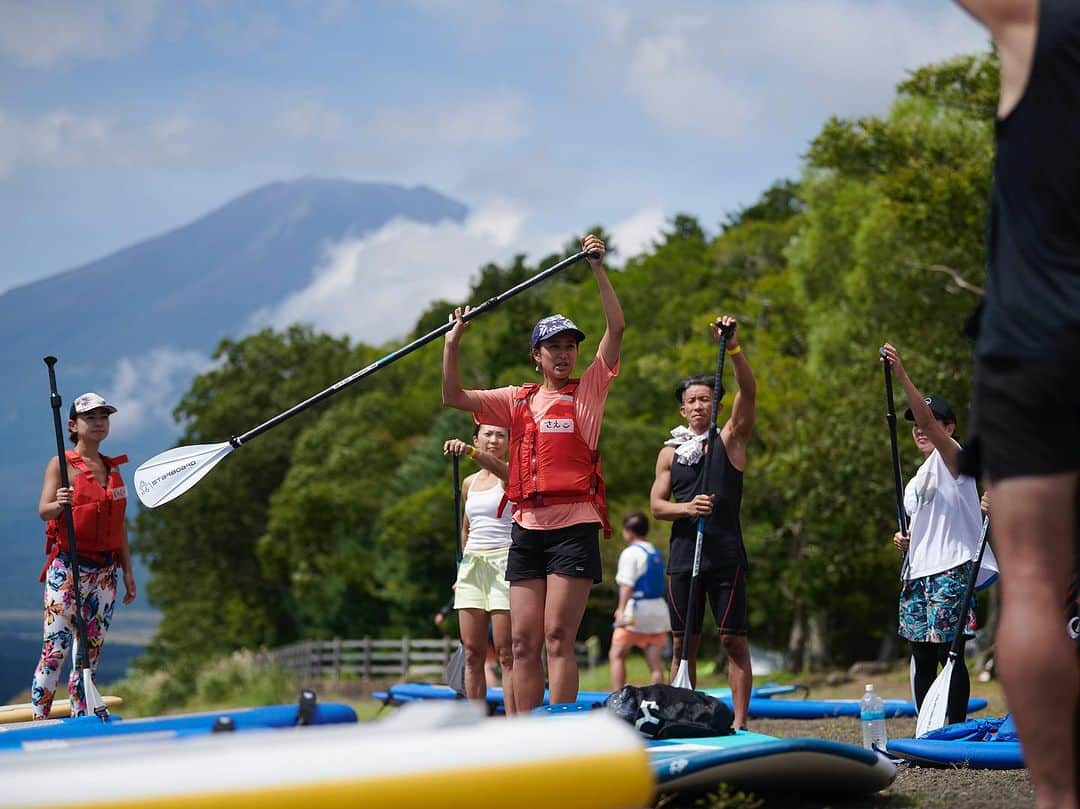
[(554, 324)]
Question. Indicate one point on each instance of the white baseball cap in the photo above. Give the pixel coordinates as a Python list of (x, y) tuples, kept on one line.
[(90, 401)]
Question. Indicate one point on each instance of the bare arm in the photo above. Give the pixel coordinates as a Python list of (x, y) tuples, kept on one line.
[(924, 417), (53, 496), (1014, 25), (465, 484), (615, 323), (625, 591), (452, 392), (660, 494), (495, 465), (997, 14), (744, 409)]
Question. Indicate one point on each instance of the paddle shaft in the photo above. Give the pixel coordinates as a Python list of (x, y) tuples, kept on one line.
[(890, 417), (82, 659), (393, 356), (702, 520), (969, 593)]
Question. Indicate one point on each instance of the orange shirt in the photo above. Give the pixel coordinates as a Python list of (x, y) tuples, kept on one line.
[(589, 403)]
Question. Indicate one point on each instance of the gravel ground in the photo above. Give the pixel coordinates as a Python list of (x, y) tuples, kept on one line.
[(914, 786)]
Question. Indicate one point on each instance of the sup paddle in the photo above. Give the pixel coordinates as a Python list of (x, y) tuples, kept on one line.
[(455, 667), (84, 674), (935, 705), (682, 676), (169, 474), (890, 417)]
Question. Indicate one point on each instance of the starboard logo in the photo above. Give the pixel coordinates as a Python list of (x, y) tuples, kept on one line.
[(556, 425), (166, 476)]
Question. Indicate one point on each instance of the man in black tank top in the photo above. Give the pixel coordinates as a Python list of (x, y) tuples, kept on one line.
[(679, 472), (1026, 390)]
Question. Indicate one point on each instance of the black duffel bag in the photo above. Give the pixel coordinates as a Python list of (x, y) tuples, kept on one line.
[(666, 712)]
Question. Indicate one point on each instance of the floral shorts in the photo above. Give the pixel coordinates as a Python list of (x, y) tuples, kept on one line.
[(930, 606)]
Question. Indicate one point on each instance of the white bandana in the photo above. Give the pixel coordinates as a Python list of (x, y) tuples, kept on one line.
[(689, 445)]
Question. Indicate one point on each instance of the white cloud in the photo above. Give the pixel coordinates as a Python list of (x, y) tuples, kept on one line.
[(482, 121), (146, 387), (639, 231), (48, 33), (374, 288)]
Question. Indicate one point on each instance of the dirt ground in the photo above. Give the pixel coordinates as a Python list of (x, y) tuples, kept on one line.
[(914, 786)]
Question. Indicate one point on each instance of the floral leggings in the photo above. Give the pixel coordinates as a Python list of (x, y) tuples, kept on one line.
[(98, 590)]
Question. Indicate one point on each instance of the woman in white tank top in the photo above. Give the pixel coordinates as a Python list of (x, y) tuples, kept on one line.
[(481, 592)]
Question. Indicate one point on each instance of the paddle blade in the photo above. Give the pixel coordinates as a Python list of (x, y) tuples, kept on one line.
[(935, 706), (682, 676), (168, 475)]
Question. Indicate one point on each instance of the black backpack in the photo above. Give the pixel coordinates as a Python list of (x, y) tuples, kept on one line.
[(666, 712)]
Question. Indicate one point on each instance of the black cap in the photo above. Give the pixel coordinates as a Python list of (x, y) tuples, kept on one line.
[(939, 407)]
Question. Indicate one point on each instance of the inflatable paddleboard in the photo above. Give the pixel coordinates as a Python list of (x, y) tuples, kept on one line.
[(402, 693), (271, 716), (594, 761), (980, 744), (24, 712), (757, 762), (826, 708)]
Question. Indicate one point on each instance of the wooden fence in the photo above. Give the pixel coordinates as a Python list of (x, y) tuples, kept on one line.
[(369, 658)]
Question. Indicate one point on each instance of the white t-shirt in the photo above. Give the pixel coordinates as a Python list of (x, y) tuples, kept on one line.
[(650, 615), (946, 522)]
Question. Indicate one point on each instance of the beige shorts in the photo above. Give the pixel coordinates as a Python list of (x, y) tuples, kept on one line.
[(481, 581)]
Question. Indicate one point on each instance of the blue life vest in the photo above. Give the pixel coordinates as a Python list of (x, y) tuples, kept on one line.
[(651, 583)]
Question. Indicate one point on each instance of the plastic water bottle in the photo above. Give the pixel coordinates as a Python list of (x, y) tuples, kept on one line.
[(872, 714)]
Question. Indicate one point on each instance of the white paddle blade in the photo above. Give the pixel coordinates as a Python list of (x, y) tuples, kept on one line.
[(95, 705), (168, 475), (935, 706), (682, 676)]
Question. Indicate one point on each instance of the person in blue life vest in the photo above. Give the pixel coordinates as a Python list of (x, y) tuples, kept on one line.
[(641, 616), (98, 498), (676, 496)]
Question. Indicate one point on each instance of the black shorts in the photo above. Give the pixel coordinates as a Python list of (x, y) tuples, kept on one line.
[(725, 588), (572, 551), (1025, 418)]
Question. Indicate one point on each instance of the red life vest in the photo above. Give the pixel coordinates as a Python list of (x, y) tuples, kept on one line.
[(98, 513), (550, 462)]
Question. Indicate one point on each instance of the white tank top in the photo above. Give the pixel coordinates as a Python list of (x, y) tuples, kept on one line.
[(486, 531)]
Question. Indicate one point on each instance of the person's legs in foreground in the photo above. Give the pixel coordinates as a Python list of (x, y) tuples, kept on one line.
[(1033, 525), (654, 657), (565, 607), (474, 637), (504, 651), (527, 630)]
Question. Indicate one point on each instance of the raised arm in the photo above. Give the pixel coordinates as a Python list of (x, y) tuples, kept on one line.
[(1014, 25), (453, 394), (924, 417), (744, 409), (615, 323)]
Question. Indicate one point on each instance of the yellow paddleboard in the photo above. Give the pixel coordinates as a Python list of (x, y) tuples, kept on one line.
[(23, 711)]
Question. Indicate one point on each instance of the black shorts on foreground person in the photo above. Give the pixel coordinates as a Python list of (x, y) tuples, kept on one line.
[(572, 551)]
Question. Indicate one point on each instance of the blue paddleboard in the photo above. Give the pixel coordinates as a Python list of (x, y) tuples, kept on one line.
[(764, 763), (980, 744), (826, 708), (85, 727)]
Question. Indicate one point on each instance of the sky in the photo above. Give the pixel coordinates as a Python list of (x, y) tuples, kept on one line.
[(120, 120)]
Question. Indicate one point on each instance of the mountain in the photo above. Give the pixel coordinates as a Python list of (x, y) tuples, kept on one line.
[(155, 308)]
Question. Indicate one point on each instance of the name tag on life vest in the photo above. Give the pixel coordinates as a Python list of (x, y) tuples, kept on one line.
[(119, 493), (556, 425)]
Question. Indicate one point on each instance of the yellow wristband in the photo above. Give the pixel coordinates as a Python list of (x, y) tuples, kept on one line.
[(733, 351), (471, 452)]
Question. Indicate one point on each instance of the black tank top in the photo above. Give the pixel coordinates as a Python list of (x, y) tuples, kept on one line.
[(1031, 305), (722, 545)]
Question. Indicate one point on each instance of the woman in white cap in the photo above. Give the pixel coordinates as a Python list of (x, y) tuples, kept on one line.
[(941, 545), (555, 484), (98, 498)]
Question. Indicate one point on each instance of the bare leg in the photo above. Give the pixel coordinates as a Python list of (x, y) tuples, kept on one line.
[(1033, 525), (691, 658), (740, 677), (617, 659), (474, 637), (504, 650), (566, 601), (654, 657), (527, 630)]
